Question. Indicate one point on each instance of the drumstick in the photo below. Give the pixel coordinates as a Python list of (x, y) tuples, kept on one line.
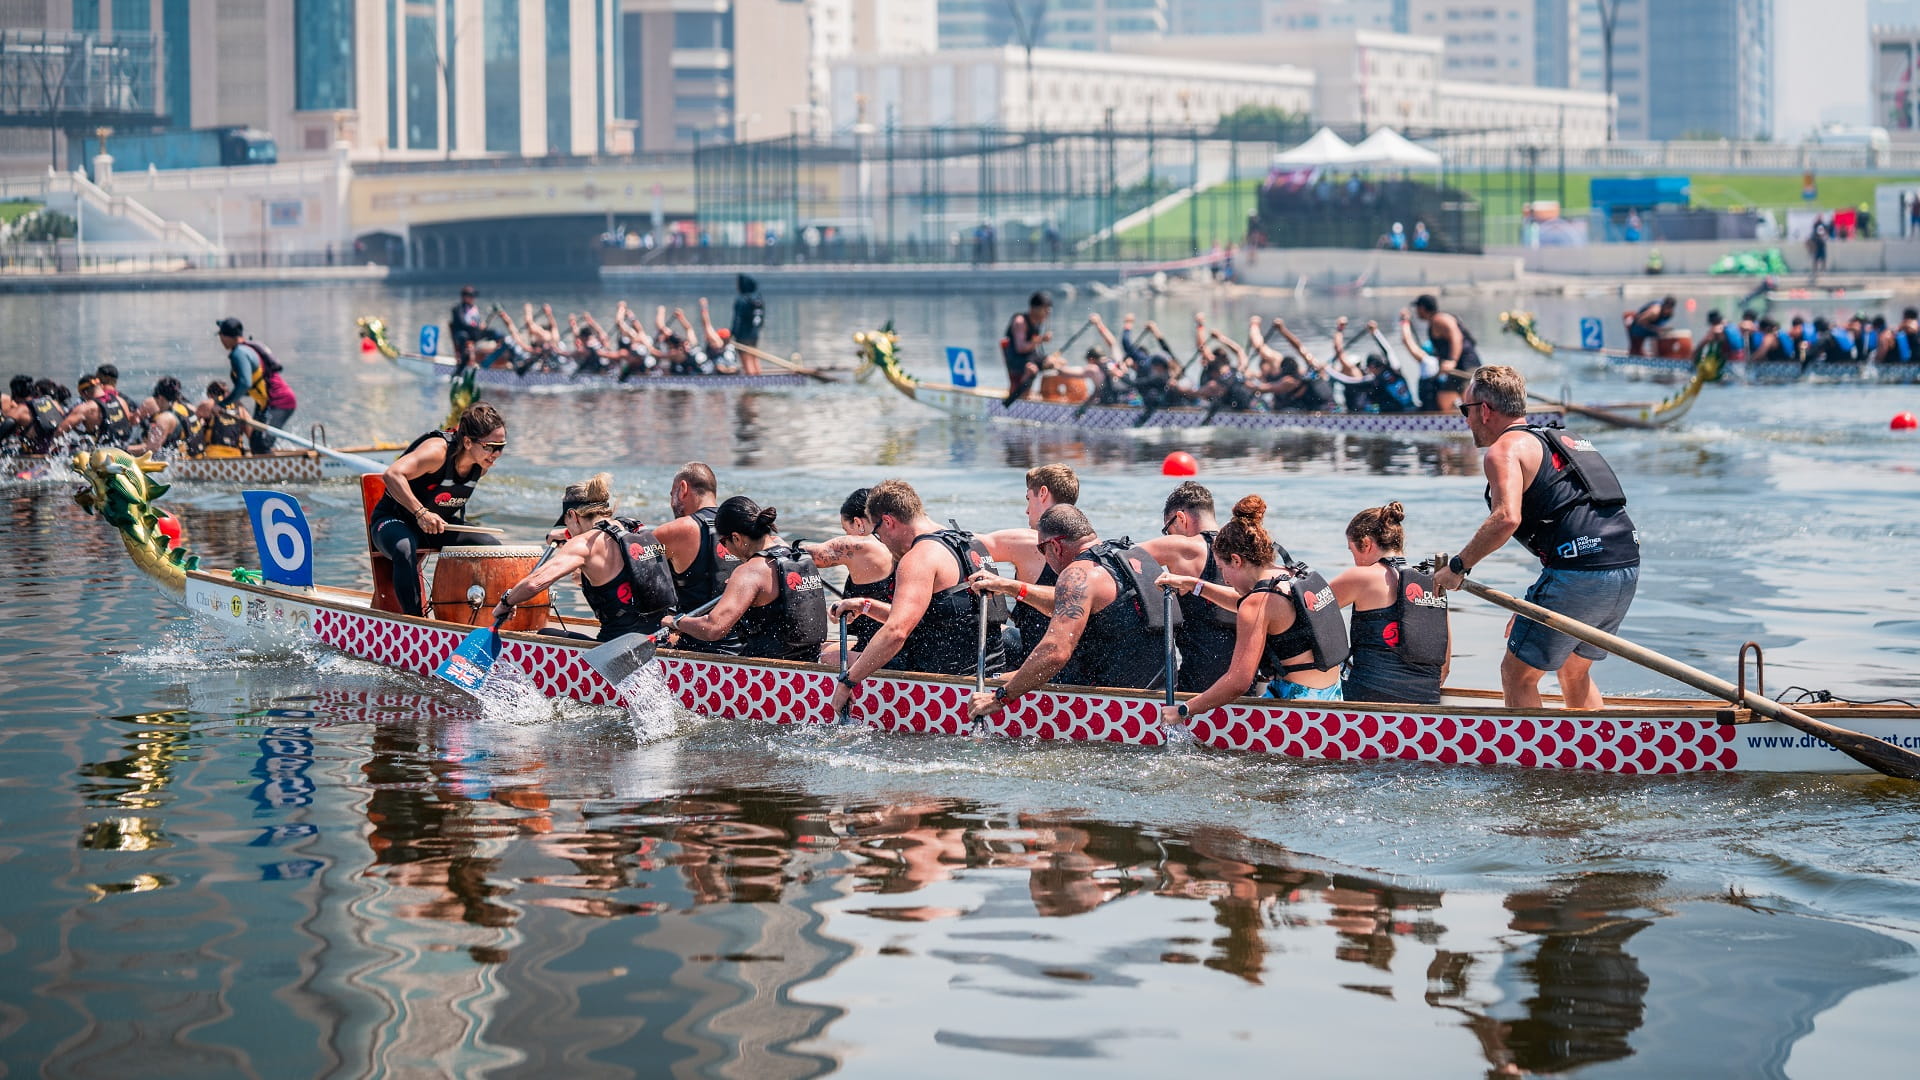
[(490, 531)]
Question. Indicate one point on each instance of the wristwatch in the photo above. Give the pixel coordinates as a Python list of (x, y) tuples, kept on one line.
[(1000, 694), (849, 683), (1454, 564), (1181, 709)]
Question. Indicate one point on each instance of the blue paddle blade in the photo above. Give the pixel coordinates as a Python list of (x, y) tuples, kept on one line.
[(470, 663)]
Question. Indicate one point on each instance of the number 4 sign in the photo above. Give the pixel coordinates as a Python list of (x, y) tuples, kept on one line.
[(960, 365), (280, 532)]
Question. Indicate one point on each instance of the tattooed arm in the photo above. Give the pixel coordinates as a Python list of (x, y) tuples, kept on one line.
[(1072, 601)]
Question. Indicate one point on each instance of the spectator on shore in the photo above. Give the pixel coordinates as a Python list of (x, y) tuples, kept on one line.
[(1421, 238)]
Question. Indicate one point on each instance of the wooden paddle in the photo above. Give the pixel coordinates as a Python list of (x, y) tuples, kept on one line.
[(364, 464), (790, 365), (1879, 756), (472, 660), (1602, 415), (618, 659)]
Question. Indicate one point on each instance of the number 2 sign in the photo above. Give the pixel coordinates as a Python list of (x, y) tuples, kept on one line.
[(280, 532)]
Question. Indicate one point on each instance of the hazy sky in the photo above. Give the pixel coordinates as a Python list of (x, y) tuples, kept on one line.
[(1819, 64)]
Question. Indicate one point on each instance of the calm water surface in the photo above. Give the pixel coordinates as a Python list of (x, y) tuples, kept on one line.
[(222, 864)]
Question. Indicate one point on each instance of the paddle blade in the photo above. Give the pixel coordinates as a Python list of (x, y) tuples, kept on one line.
[(620, 658), (471, 662)]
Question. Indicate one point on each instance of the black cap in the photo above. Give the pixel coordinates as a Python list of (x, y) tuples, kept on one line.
[(468, 290), (230, 327)]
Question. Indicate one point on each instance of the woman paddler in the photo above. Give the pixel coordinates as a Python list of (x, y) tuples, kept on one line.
[(1280, 619), (427, 489), (1401, 643), (869, 569), (624, 574), (774, 596)]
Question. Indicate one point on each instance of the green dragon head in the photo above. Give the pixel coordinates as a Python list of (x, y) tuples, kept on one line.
[(879, 349), (375, 330), (121, 489), (1522, 323)]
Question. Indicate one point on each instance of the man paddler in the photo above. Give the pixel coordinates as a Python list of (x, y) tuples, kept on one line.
[(256, 375), (1556, 495), (1449, 343), (624, 574), (1048, 486), (1106, 623), (931, 620), (701, 565), (1024, 346)]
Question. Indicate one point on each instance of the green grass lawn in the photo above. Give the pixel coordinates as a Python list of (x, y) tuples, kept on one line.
[(11, 212)]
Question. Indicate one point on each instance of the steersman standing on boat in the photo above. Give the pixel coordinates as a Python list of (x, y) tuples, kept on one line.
[(1553, 492), (256, 375)]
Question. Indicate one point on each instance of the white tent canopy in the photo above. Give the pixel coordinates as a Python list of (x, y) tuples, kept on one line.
[(1387, 147), (1325, 148)]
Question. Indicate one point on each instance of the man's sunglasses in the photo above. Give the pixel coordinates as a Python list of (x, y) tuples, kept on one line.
[(1466, 407)]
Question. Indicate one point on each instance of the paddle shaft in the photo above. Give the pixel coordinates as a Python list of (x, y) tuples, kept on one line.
[(1166, 614), (487, 530), (364, 464), (1867, 750), (1605, 417), (847, 709), (785, 363)]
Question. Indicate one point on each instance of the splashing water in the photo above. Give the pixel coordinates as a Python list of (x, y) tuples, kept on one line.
[(651, 710), (509, 696)]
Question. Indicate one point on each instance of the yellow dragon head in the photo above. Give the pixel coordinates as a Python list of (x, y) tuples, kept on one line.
[(1522, 323), (121, 489), (880, 349), (375, 330)]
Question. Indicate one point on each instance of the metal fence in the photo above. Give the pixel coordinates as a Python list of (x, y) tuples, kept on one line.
[(71, 79)]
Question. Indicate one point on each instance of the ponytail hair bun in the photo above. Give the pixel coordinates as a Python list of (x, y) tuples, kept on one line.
[(1246, 534), (1251, 510), (744, 517)]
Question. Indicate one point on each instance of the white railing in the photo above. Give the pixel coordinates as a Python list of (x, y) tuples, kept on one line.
[(285, 174), (173, 235), (1715, 156)]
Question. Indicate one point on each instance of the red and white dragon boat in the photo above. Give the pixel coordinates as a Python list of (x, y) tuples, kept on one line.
[(1647, 735)]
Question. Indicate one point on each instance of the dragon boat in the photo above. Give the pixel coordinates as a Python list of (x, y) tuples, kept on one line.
[(275, 467), (565, 382), (879, 351), (1762, 373), (1645, 735)]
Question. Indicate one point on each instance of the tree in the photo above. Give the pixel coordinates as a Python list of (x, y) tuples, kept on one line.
[(1260, 121)]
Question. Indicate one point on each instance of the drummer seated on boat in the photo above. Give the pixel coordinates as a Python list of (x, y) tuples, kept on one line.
[(1286, 623), (1402, 646), (624, 575), (1645, 324), (869, 570), (932, 618), (428, 486), (774, 602), (1105, 623)]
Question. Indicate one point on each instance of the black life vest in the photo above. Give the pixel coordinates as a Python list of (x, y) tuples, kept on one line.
[(705, 578), (944, 641), (445, 492), (1206, 633), (641, 594), (47, 415), (184, 422), (1124, 642), (1017, 361), (794, 624), (1390, 392), (1574, 513), (228, 428), (1419, 616), (116, 420), (1317, 625), (1030, 621)]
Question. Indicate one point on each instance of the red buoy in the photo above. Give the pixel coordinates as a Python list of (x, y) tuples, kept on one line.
[(1905, 421), (1179, 463), (169, 527)]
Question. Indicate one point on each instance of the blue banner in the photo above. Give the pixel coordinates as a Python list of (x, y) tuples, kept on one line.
[(429, 340), (960, 364), (280, 532)]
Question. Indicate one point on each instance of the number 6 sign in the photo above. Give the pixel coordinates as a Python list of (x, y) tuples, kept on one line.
[(280, 532)]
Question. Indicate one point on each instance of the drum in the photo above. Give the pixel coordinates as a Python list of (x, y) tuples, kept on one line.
[(1677, 344), (1069, 389), (494, 570)]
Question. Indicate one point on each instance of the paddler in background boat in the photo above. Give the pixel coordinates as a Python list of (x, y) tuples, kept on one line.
[(1774, 344), (701, 564), (869, 570), (774, 602), (1298, 388), (1223, 381), (1154, 377), (168, 419), (100, 414), (1048, 486), (1401, 643), (1831, 344), (15, 416), (221, 429), (1452, 347), (624, 575), (1023, 347), (1382, 388), (110, 387), (932, 617), (428, 487), (1901, 344), (1104, 371), (1645, 324), (1557, 496), (1748, 333), (1106, 626), (256, 375), (1724, 340), (467, 329), (722, 357), (1286, 622)]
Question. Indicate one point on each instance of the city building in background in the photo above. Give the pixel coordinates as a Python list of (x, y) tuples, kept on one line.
[(1664, 88), (732, 69), (1055, 24), (842, 28), (1486, 40), (1896, 80)]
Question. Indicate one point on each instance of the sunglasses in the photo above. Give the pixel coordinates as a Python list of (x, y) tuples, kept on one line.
[(1466, 407), (493, 447), (1166, 528), (1041, 546)]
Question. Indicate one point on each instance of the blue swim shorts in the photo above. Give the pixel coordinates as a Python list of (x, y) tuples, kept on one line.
[(1598, 598)]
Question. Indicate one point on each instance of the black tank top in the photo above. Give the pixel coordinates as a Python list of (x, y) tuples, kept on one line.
[(1031, 622), (1375, 669), (1206, 633), (944, 641), (444, 491), (865, 626), (705, 578), (634, 600)]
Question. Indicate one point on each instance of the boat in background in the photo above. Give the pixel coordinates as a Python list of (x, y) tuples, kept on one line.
[(1764, 373), (1469, 727)]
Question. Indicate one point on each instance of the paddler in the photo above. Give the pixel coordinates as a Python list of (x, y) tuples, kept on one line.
[(1106, 625), (624, 575), (428, 486), (932, 617), (45, 409), (1450, 343), (256, 375), (1023, 347), (15, 416), (467, 328), (1382, 388), (701, 564), (1286, 622), (221, 430), (100, 414), (1185, 547), (774, 601), (1557, 496), (869, 569), (1048, 486), (1722, 338), (168, 418), (1645, 324), (1401, 642)]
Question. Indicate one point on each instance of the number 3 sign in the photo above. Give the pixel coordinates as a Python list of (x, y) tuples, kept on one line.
[(280, 532)]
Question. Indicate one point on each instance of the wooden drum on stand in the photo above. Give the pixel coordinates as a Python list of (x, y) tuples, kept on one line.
[(1675, 344), (1069, 389), (494, 570)]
